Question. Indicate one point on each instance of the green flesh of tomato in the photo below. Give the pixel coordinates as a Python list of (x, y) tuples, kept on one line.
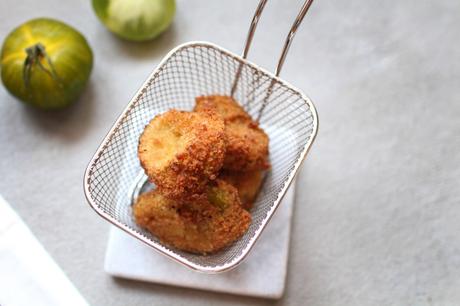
[(45, 63), (218, 198)]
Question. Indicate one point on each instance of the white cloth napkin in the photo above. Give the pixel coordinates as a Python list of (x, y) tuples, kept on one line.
[(28, 275)]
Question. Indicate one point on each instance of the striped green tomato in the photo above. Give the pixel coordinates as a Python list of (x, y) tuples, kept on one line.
[(136, 20), (45, 63)]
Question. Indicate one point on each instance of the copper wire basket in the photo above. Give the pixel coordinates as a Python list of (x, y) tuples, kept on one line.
[(114, 177)]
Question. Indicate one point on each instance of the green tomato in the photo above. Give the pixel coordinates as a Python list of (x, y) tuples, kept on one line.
[(45, 63), (136, 20)]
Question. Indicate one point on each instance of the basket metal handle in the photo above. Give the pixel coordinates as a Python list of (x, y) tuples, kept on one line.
[(287, 43)]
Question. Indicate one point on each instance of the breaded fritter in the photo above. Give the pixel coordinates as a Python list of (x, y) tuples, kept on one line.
[(181, 151), (225, 106), (247, 183), (202, 226), (247, 146), (247, 143)]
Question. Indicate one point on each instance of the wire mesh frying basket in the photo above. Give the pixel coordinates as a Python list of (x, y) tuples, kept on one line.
[(114, 176)]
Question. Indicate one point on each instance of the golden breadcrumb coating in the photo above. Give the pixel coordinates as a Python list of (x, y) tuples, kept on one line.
[(202, 226), (247, 183), (247, 143), (181, 151), (247, 146), (225, 106)]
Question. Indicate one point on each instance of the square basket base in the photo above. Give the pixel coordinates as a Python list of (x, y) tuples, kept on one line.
[(262, 274)]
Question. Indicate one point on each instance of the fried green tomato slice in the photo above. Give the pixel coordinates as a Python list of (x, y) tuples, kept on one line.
[(247, 183), (181, 151), (204, 226), (225, 106), (247, 143), (247, 146)]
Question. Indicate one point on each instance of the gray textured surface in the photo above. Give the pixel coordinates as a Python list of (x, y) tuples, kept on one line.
[(377, 215)]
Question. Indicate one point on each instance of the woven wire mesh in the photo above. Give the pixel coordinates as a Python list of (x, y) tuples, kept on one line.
[(189, 71)]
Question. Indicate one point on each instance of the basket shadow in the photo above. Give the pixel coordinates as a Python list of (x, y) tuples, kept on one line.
[(69, 124)]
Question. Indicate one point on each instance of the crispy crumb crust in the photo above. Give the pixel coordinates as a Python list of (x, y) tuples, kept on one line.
[(225, 106), (247, 146), (247, 143), (203, 226), (247, 183), (187, 170)]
